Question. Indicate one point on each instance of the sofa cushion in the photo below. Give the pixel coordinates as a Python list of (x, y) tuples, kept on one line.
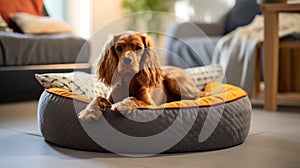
[(3, 25), (32, 24), (242, 14), (8, 7), (29, 49)]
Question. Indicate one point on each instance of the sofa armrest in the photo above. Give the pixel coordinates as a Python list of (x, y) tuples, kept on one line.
[(179, 34), (188, 29)]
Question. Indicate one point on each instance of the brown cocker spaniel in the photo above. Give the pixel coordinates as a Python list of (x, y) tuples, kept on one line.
[(129, 65)]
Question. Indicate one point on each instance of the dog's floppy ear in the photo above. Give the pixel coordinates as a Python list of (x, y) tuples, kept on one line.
[(108, 61), (147, 41), (150, 73)]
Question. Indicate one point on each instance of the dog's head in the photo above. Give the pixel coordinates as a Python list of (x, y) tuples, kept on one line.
[(130, 53)]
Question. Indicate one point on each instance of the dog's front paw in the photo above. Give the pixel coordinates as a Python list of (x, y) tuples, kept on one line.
[(125, 107), (204, 94), (94, 110), (89, 114)]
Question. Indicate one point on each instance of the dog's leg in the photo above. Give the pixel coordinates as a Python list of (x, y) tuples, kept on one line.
[(94, 110), (204, 94), (128, 105)]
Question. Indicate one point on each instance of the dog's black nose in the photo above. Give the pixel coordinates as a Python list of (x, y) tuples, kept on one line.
[(127, 60)]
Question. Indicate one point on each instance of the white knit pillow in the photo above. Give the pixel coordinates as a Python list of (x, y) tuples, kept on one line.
[(205, 74), (77, 82), (4, 26)]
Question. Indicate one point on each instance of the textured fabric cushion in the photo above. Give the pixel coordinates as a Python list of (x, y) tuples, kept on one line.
[(3, 25), (205, 74), (77, 82), (8, 7), (32, 24), (242, 14)]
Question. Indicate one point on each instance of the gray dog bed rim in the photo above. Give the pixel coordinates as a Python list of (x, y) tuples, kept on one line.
[(59, 125)]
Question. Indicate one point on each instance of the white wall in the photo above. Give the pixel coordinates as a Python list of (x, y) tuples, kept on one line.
[(56, 8), (87, 16), (78, 15), (203, 10), (104, 12)]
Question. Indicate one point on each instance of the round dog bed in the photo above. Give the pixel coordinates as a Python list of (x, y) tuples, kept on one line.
[(217, 121)]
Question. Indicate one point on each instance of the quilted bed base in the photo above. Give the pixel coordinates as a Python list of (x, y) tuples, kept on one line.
[(189, 129)]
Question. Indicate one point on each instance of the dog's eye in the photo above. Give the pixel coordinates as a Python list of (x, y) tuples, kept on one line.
[(119, 48), (137, 48)]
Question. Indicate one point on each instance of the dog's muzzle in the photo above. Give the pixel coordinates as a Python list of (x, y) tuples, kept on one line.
[(127, 60)]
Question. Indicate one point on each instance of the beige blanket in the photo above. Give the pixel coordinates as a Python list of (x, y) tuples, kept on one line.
[(236, 50)]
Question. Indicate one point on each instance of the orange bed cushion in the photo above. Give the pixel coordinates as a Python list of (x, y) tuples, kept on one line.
[(219, 93)]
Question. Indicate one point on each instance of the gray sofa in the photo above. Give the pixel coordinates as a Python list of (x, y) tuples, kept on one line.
[(23, 55), (190, 46)]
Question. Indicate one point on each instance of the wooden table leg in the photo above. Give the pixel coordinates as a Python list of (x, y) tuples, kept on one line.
[(271, 50)]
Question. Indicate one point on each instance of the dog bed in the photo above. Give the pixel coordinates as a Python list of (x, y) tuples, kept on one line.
[(218, 121)]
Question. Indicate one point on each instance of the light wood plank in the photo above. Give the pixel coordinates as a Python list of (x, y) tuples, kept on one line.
[(271, 46), (280, 7)]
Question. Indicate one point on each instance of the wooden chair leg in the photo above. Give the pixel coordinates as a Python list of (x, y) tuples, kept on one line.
[(257, 78)]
